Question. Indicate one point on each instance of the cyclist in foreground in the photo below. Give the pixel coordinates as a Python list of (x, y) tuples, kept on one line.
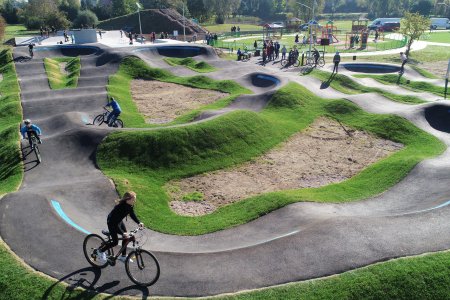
[(115, 111), (123, 208), (31, 129)]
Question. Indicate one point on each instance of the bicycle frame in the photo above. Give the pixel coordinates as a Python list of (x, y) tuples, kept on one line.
[(128, 240)]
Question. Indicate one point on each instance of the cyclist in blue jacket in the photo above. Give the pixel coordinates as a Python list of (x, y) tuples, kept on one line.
[(115, 111), (31, 129)]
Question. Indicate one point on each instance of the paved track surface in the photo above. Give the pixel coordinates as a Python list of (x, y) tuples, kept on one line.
[(298, 242)]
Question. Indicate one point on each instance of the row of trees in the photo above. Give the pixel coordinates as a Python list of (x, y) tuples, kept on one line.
[(63, 13)]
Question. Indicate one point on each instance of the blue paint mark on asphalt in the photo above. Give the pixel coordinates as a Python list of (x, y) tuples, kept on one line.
[(62, 214), (436, 207), (85, 119)]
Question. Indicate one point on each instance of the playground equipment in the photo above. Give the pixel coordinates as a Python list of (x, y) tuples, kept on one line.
[(329, 31), (359, 34)]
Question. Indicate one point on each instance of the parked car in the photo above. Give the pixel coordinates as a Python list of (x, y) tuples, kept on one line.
[(443, 23), (377, 23), (390, 26)]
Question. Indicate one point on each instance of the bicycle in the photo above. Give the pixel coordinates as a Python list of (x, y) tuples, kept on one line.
[(246, 56), (34, 147), (292, 61), (311, 62), (101, 118), (141, 266)]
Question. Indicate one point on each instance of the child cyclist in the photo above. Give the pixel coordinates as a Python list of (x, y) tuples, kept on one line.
[(123, 208), (30, 129)]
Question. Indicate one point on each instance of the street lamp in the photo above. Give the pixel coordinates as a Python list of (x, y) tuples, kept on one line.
[(184, 25), (140, 26), (310, 23)]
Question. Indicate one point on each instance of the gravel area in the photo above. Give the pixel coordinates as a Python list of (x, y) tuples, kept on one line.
[(162, 102), (325, 153)]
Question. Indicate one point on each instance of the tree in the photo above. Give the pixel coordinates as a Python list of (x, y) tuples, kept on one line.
[(413, 25), (71, 8), (104, 9), (2, 27), (303, 12), (123, 7), (85, 17), (221, 8), (423, 7), (43, 13), (197, 10)]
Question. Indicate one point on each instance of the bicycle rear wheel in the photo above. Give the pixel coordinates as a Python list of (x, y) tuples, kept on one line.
[(98, 120), (91, 243), (142, 267), (283, 62), (321, 62)]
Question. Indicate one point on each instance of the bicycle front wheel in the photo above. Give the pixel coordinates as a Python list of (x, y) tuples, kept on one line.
[(297, 63), (142, 267), (38, 153), (118, 123), (90, 245), (321, 62), (283, 62), (98, 120)]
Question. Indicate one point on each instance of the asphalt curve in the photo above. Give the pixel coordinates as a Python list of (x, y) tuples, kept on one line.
[(298, 242)]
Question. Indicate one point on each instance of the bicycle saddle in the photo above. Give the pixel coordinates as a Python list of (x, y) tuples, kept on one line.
[(105, 232)]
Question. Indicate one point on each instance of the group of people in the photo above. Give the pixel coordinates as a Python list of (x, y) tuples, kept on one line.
[(211, 39), (235, 29), (45, 31), (271, 50)]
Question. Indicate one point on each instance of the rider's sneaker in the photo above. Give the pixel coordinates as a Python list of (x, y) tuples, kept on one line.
[(101, 256), (123, 258), (40, 141)]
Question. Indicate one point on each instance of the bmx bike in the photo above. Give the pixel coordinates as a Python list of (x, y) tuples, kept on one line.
[(294, 61), (34, 147), (141, 266), (101, 118)]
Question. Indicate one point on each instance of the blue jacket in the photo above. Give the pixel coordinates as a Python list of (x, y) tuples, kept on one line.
[(33, 127), (114, 105)]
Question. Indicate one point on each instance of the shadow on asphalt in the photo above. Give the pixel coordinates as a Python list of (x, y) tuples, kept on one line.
[(30, 165), (438, 116), (326, 84), (87, 279)]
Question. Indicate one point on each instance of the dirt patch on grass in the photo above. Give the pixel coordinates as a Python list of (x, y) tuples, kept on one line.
[(162, 102), (325, 153), (62, 68), (438, 68)]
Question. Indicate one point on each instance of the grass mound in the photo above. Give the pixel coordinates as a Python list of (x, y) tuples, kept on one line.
[(62, 80), (10, 117), (420, 86), (201, 67), (144, 161), (346, 85), (134, 68)]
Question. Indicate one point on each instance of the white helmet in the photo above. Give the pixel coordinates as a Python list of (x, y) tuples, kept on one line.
[(27, 121)]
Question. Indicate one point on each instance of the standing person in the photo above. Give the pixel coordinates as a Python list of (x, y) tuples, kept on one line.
[(100, 34), (404, 60), (30, 49), (130, 36), (116, 110), (277, 49), (41, 30), (123, 208), (376, 35), (264, 56), (296, 39), (283, 52), (31, 129), (336, 60), (255, 45), (121, 33)]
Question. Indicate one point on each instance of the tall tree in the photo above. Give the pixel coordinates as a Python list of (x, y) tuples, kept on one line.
[(197, 10), (423, 7), (71, 8), (413, 25), (104, 9), (123, 7), (221, 8), (305, 11)]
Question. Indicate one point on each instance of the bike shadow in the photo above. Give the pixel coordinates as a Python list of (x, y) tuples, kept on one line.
[(326, 84), (21, 59), (30, 165), (82, 284)]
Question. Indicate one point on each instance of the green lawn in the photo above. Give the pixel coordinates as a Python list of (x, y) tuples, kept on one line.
[(18, 31), (145, 160), (62, 80), (346, 85), (197, 66), (10, 117), (133, 68), (438, 37), (419, 86), (220, 28)]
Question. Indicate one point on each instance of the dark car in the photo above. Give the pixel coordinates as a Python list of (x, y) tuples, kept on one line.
[(390, 26)]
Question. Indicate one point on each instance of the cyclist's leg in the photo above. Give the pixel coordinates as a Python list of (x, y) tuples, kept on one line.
[(122, 228), (37, 137), (113, 231), (30, 141)]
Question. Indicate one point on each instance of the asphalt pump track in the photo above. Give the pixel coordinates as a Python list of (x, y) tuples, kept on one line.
[(298, 242)]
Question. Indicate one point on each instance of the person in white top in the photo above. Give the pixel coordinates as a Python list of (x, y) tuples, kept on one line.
[(404, 60)]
